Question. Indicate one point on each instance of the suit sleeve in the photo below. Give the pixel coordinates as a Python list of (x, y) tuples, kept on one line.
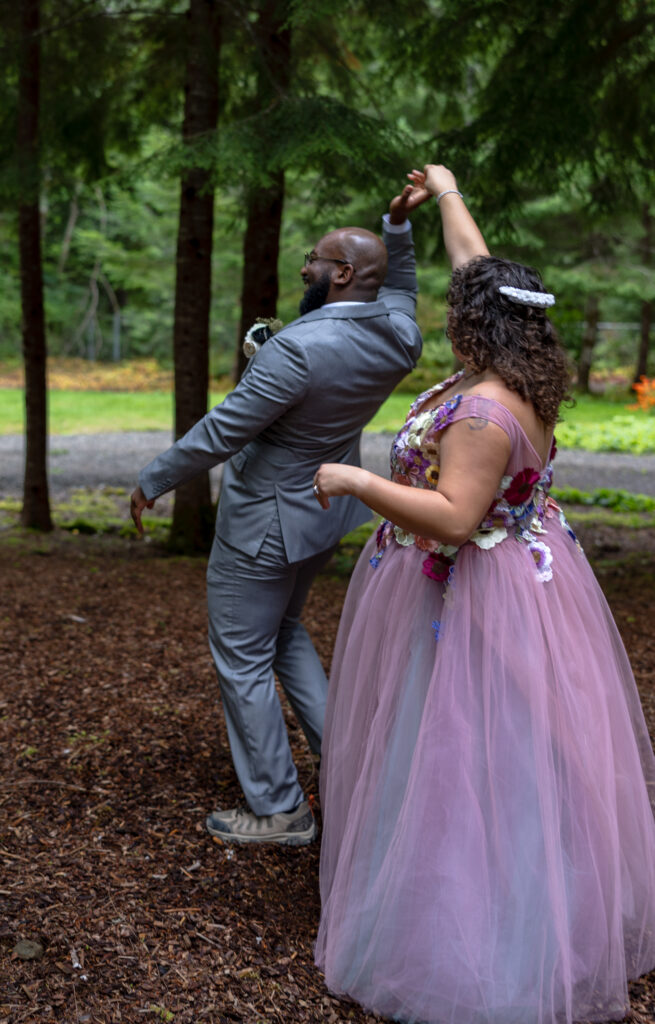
[(400, 288), (277, 378)]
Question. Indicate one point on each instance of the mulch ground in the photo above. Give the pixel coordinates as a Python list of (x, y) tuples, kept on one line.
[(113, 752)]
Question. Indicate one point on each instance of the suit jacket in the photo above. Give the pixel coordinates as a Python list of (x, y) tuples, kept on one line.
[(303, 400)]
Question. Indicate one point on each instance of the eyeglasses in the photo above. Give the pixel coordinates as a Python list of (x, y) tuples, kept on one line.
[(311, 257)]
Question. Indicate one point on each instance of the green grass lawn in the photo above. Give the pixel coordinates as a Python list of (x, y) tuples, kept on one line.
[(595, 424), (94, 412)]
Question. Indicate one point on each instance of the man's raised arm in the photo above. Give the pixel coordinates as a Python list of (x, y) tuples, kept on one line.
[(400, 288)]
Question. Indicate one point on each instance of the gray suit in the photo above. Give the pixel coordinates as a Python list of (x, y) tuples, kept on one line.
[(303, 400)]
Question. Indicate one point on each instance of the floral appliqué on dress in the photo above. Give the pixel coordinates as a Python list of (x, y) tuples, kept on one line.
[(520, 506)]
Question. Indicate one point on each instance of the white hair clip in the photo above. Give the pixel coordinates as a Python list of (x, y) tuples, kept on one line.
[(527, 298)]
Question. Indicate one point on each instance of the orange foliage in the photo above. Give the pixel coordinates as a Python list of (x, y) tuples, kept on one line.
[(81, 375), (645, 389)]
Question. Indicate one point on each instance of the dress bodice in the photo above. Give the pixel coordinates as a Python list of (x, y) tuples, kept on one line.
[(521, 504)]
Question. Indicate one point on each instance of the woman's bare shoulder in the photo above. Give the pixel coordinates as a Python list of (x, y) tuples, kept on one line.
[(497, 390), (522, 410)]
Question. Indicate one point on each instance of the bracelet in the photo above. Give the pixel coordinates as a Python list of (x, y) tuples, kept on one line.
[(447, 191)]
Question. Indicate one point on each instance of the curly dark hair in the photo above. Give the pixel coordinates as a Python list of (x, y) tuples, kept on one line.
[(490, 331)]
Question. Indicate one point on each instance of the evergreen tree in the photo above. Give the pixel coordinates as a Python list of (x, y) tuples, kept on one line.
[(66, 96), (36, 505), (192, 526), (553, 92), (561, 100), (298, 105), (261, 241), (646, 324)]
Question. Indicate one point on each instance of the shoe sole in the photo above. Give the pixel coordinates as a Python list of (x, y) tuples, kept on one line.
[(282, 839)]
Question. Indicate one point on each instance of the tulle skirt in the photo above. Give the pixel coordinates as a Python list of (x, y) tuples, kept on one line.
[(488, 850)]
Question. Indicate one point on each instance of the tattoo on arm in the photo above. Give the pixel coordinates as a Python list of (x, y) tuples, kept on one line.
[(477, 424)]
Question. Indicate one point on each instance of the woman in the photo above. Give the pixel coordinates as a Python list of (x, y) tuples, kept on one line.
[(489, 845)]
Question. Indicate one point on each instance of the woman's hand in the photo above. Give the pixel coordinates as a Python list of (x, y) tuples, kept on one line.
[(333, 479), (436, 178), (474, 454), (462, 236)]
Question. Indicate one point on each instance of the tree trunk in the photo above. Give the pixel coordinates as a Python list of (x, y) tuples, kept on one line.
[(589, 339), (192, 527), (644, 341), (261, 245), (261, 248), (36, 503), (641, 369)]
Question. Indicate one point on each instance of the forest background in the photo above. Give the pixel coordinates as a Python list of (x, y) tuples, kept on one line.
[(165, 165)]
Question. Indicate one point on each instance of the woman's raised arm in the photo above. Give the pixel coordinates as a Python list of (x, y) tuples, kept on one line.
[(462, 236)]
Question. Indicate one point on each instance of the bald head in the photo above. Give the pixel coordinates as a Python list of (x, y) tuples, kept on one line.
[(365, 253)]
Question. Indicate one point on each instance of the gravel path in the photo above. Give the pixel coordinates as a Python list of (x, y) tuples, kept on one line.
[(113, 460)]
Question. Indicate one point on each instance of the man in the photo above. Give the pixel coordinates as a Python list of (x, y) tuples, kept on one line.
[(303, 400)]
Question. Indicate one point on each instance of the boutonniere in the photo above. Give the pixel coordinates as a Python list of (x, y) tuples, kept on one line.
[(262, 329)]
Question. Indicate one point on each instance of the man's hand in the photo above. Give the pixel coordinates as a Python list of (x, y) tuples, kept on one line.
[(138, 502), (410, 197)]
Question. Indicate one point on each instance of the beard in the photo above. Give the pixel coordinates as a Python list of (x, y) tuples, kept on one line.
[(315, 295)]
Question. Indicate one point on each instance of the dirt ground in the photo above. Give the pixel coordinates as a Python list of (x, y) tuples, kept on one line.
[(113, 752)]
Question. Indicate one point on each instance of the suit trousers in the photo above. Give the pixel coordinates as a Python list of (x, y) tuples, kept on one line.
[(255, 632)]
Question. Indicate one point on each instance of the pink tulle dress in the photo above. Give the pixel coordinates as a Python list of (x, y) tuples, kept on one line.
[(488, 849)]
